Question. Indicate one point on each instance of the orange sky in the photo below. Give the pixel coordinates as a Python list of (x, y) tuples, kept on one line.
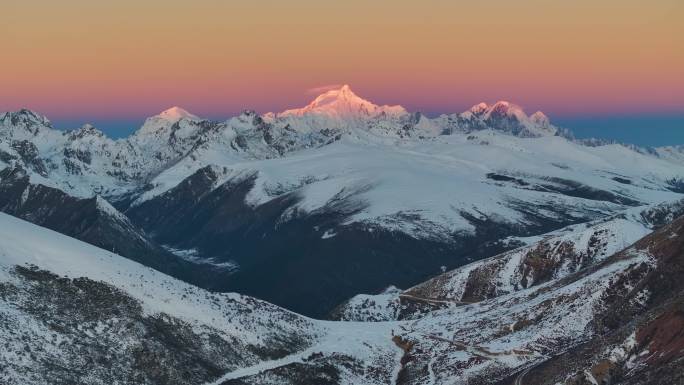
[(73, 58)]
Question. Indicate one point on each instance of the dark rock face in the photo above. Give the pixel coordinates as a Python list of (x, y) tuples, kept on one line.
[(506, 178), (29, 154), (26, 119), (676, 185), (565, 187), (83, 156), (622, 180), (576, 189)]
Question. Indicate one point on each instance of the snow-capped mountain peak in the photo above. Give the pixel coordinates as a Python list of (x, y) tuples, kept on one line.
[(343, 103), (24, 118), (165, 120), (86, 130), (541, 119), (480, 108), (504, 108), (501, 108), (176, 113)]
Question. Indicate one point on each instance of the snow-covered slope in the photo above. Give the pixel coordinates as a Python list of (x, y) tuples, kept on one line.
[(483, 342), (615, 320), (70, 312)]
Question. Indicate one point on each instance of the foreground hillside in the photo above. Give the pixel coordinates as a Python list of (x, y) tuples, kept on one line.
[(73, 313), (575, 307), (614, 322)]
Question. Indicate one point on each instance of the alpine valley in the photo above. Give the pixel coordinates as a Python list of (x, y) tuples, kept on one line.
[(368, 245)]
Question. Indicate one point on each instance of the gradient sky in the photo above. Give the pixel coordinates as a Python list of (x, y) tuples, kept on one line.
[(114, 63)]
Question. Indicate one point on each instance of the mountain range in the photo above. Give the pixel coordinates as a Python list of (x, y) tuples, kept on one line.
[(487, 246)]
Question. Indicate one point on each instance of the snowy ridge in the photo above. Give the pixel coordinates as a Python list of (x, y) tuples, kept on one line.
[(558, 255)]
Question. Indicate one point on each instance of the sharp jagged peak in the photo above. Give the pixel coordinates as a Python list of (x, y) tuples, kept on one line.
[(479, 108), (342, 102), (26, 117), (86, 130), (504, 108), (508, 117)]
